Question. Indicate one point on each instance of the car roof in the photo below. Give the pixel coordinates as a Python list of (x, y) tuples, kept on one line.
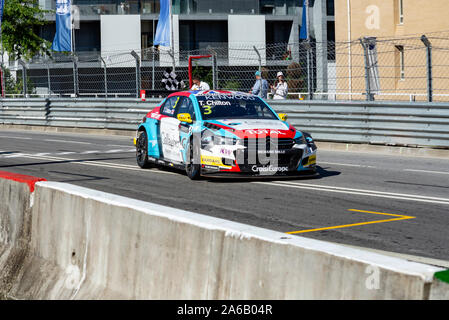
[(200, 93)]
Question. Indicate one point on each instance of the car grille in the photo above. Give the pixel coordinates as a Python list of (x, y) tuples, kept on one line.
[(265, 151)]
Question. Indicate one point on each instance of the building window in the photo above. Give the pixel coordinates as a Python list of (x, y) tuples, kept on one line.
[(401, 58), (401, 11)]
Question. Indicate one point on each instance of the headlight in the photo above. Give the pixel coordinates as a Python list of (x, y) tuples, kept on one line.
[(220, 140)]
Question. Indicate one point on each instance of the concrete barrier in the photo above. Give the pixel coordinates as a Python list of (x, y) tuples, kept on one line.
[(87, 244), (15, 226)]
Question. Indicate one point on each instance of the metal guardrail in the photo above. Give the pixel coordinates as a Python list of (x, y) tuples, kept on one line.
[(392, 123)]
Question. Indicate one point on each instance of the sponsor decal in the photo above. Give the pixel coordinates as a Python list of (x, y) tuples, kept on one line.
[(221, 96), (214, 103), (213, 161), (169, 141), (265, 132), (272, 151), (226, 152), (156, 116), (269, 169), (312, 160)]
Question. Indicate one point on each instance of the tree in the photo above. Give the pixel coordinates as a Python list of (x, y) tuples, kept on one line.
[(20, 21)]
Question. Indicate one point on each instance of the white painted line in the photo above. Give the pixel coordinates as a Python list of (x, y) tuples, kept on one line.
[(16, 155), (64, 153), (362, 190), (426, 171), (90, 152), (369, 193), (67, 141), (100, 164), (117, 145), (11, 137), (346, 164), (115, 151)]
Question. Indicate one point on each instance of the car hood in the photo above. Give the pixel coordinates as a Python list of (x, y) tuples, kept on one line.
[(256, 127), (245, 124)]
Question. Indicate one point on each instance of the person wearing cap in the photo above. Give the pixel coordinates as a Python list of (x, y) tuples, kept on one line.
[(261, 86), (280, 88)]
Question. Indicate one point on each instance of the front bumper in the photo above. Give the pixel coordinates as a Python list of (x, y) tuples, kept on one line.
[(290, 162)]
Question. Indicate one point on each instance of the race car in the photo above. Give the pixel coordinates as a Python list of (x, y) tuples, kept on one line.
[(222, 133)]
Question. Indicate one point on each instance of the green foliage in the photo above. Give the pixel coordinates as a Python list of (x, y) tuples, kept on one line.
[(232, 85), (15, 86), (204, 73), (20, 21)]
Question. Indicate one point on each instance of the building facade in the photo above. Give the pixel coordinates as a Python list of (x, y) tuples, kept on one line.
[(200, 23), (401, 57)]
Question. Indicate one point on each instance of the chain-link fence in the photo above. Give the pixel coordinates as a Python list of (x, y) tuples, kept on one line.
[(410, 68)]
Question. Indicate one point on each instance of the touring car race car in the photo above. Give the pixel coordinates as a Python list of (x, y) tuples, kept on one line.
[(222, 133)]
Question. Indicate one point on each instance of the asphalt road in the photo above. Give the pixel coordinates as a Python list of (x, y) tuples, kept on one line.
[(347, 198)]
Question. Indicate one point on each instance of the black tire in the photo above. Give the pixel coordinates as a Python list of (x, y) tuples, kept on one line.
[(142, 150), (193, 165)]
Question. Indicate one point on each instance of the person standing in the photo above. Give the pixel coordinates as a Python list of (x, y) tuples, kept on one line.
[(199, 85), (280, 88), (261, 86)]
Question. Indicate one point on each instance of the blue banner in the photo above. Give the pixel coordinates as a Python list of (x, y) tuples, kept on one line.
[(304, 33), (162, 36), (63, 36), (2, 5)]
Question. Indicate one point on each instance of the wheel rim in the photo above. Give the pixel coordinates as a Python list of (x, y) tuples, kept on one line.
[(190, 164), (141, 148)]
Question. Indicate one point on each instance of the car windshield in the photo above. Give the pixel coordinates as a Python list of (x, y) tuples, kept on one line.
[(233, 106)]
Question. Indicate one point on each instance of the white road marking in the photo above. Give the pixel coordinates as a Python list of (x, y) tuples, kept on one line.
[(11, 137), (19, 155), (67, 141), (99, 164), (426, 171), (117, 145), (346, 164), (369, 193)]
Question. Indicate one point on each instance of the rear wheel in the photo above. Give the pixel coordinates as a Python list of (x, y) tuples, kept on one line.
[(142, 150), (193, 165)]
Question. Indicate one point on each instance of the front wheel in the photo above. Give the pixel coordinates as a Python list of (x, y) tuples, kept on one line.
[(193, 165), (142, 150)]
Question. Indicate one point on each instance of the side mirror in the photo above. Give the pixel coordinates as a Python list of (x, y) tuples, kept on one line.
[(283, 116), (185, 117)]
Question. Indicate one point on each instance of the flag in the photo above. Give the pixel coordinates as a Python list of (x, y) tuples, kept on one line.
[(162, 36), (304, 33), (63, 36), (2, 5)]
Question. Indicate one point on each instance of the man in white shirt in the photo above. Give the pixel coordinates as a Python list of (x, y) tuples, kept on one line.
[(199, 85)]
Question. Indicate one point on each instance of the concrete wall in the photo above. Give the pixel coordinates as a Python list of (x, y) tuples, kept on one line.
[(86, 244)]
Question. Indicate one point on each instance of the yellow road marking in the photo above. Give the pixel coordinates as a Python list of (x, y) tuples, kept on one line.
[(399, 217)]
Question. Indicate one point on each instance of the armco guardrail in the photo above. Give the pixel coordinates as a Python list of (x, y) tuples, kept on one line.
[(77, 243), (387, 123)]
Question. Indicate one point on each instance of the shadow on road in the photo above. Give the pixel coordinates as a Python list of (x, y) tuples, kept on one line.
[(320, 174)]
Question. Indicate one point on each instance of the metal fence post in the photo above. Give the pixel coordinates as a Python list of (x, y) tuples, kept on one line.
[(24, 77), (153, 64), (48, 80), (428, 45), (136, 56), (214, 72), (75, 76), (259, 58), (369, 96), (105, 77)]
